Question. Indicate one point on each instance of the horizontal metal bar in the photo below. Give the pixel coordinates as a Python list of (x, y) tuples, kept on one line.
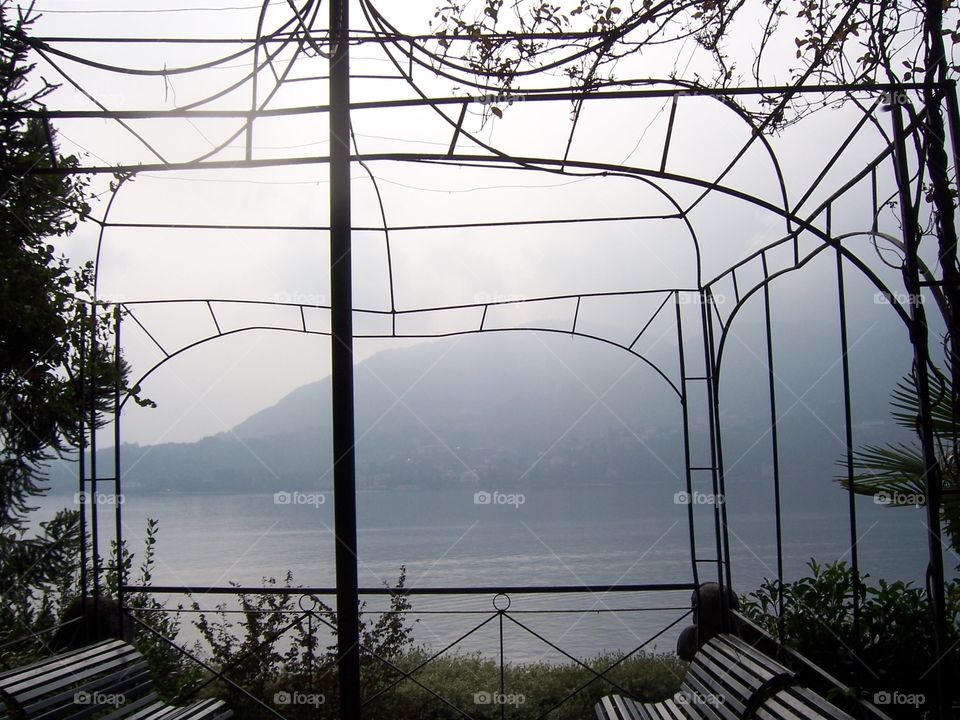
[(455, 100), (409, 311), (545, 611), (480, 590), (397, 228)]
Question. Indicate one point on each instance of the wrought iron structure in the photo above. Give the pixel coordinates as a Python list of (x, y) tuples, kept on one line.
[(838, 208)]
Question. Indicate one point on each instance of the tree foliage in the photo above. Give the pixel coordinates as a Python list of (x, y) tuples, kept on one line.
[(771, 43), (50, 379)]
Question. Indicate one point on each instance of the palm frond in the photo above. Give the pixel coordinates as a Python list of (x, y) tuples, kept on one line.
[(894, 470), (906, 403)]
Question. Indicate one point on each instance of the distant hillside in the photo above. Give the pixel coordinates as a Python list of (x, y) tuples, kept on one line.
[(518, 410), (513, 409)]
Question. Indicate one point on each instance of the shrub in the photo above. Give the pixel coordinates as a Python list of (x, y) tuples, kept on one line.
[(894, 648)]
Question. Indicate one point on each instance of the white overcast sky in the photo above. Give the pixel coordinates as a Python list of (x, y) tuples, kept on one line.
[(211, 388)]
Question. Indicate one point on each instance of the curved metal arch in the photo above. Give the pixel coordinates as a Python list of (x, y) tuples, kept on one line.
[(102, 233), (775, 161), (368, 336), (605, 169), (641, 174), (672, 201), (846, 254), (683, 88), (723, 100), (681, 214), (600, 169), (556, 331)]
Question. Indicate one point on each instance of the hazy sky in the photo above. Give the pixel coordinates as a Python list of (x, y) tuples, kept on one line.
[(211, 388)]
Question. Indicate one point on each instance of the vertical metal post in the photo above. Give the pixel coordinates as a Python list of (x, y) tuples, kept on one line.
[(341, 355), (919, 339), (722, 536), (774, 445), (503, 706), (848, 459), (685, 417)]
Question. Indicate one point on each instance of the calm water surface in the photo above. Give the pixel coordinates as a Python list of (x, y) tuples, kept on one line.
[(598, 535)]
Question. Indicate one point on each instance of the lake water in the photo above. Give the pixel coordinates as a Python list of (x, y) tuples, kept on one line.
[(596, 535)]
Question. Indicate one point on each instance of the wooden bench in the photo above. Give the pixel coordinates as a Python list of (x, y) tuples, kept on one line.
[(108, 679), (728, 680)]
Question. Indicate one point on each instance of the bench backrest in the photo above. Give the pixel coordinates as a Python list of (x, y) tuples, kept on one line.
[(77, 684), (729, 679)]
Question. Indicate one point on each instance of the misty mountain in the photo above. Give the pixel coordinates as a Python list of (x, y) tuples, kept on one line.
[(514, 410), (519, 410)]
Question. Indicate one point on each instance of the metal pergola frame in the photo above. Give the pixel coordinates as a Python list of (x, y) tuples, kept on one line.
[(800, 226)]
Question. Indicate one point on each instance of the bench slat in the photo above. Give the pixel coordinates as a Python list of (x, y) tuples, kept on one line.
[(605, 709), (129, 709), (68, 656), (60, 675), (204, 710), (63, 704), (616, 707), (802, 704), (627, 708), (153, 710), (709, 677), (751, 658), (702, 701), (666, 710)]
